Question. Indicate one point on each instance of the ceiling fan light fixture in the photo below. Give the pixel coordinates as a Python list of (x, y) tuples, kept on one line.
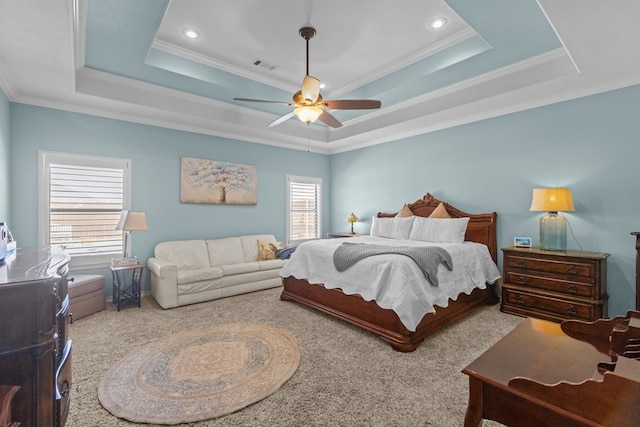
[(308, 114)]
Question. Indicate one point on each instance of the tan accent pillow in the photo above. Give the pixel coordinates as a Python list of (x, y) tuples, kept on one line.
[(440, 212), (266, 250), (405, 212)]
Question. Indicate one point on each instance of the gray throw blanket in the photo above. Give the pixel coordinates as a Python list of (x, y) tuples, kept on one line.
[(427, 258)]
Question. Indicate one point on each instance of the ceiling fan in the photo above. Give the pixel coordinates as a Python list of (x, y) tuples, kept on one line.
[(310, 106)]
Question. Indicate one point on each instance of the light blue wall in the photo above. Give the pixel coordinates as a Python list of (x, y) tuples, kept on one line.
[(591, 145), (155, 154), (5, 161)]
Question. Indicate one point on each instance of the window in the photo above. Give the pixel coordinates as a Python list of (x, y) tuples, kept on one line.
[(304, 197), (80, 202)]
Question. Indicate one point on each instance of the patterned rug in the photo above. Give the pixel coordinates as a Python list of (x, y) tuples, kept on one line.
[(194, 375)]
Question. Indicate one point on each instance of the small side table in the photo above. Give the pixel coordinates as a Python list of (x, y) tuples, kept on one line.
[(126, 284), (338, 235)]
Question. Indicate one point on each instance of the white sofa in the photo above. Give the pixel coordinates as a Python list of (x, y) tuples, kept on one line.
[(191, 271)]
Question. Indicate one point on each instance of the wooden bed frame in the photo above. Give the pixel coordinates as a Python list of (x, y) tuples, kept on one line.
[(385, 322)]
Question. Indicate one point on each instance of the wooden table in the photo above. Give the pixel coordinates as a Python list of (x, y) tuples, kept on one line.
[(505, 382)]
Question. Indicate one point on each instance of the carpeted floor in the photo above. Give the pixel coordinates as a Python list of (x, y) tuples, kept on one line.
[(346, 376)]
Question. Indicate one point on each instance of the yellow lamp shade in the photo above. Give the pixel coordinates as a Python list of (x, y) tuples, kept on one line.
[(353, 218), (552, 200)]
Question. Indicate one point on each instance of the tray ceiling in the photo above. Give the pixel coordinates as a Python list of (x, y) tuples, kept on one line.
[(130, 59)]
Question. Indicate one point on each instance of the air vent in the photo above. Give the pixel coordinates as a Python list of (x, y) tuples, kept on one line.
[(264, 64)]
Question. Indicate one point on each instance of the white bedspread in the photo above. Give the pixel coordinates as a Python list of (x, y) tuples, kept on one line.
[(395, 281)]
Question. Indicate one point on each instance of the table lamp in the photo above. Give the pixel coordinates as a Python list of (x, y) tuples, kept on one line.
[(352, 218), (553, 227), (131, 221)]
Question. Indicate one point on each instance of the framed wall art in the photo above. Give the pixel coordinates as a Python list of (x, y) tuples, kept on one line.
[(206, 181)]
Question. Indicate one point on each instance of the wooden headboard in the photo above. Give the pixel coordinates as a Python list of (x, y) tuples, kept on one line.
[(481, 228)]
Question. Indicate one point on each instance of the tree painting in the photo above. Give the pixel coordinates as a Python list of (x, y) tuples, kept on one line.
[(211, 181)]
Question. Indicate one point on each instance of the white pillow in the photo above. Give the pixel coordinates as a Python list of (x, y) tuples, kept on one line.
[(392, 228), (439, 230)]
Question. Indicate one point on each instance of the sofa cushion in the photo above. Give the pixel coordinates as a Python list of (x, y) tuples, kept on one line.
[(242, 268), (225, 251), (186, 254), (271, 264), (198, 275), (250, 245)]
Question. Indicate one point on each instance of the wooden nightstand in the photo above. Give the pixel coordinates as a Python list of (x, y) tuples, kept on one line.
[(554, 285), (345, 234)]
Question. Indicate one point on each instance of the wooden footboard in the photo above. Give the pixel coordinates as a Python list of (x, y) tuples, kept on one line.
[(383, 322)]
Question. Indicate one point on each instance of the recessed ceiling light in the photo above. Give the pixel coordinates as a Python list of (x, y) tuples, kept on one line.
[(191, 33), (438, 23)]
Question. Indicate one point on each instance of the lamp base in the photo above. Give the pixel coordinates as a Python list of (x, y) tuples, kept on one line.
[(553, 232)]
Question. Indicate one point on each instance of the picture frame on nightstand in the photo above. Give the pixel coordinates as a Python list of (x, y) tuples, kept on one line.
[(522, 242)]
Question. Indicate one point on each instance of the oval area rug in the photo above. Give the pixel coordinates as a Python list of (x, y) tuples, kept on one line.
[(199, 374)]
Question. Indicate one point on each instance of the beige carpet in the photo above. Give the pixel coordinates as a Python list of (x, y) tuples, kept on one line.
[(346, 376), (199, 374)]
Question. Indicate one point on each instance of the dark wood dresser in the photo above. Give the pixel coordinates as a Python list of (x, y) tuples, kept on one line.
[(35, 349), (554, 285)]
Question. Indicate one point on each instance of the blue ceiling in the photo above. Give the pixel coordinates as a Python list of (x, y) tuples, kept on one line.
[(120, 33)]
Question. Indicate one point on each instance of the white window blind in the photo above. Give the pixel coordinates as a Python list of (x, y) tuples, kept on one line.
[(304, 197), (82, 200)]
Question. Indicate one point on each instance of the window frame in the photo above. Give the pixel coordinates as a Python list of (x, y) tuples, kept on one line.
[(45, 159), (302, 180)]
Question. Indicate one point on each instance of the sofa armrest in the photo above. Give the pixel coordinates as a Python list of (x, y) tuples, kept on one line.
[(164, 281)]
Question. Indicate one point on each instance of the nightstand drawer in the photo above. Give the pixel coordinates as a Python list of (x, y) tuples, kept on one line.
[(570, 269), (551, 284), (562, 308)]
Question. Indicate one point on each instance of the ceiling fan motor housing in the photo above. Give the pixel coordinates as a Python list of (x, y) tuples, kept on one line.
[(307, 33)]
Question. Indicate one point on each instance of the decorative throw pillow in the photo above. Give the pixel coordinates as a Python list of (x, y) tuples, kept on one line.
[(267, 250), (440, 212), (392, 228), (439, 230), (405, 212)]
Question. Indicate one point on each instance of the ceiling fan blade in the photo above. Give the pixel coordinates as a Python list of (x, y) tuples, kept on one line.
[(279, 120), (262, 100), (310, 89), (328, 119), (353, 104)]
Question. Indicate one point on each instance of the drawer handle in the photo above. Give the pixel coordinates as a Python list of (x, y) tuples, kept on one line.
[(572, 269), (572, 289), (522, 280), (522, 263), (521, 299), (572, 310)]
